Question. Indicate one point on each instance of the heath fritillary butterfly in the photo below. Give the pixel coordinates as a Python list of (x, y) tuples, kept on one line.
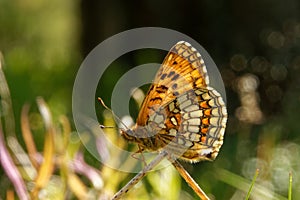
[(181, 117), (181, 113)]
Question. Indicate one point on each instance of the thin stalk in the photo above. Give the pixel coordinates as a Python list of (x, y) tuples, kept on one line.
[(190, 181), (252, 184), (140, 175)]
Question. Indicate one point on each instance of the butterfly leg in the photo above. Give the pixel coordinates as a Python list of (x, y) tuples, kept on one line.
[(140, 151)]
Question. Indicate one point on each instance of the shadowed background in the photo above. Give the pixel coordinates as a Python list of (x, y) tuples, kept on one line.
[(256, 46)]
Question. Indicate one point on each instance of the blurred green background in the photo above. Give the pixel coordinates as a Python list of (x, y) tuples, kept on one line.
[(255, 44)]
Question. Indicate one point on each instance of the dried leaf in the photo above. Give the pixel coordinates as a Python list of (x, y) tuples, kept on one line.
[(27, 135)]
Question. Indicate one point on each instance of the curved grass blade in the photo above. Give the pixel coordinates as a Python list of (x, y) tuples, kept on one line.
[(11, 170), (46, 169)]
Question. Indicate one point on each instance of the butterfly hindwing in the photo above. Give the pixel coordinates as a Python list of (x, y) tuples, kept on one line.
[(192, 125)]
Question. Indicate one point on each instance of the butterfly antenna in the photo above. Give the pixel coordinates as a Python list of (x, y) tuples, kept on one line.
[(107, 108)]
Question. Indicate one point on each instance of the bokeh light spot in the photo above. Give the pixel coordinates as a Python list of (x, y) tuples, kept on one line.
[(278, 72), (248, 83), (238, 62), (259, 64), (276, 39)]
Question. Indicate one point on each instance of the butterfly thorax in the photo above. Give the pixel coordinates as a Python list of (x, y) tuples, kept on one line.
[(144, 136)]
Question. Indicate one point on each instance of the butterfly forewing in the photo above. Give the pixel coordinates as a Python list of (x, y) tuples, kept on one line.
[(182, 69)]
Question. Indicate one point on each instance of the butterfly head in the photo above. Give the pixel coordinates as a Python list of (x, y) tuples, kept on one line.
[(128, 135)]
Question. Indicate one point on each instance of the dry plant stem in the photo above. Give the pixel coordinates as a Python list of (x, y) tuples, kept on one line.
[(140, 175), (192, 183)]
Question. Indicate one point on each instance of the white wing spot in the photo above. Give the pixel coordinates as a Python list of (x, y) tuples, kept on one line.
[(173, 132), (174, 121), (158, 119)]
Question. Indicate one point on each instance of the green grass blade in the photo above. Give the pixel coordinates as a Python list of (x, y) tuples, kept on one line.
[(290, 186), (252, 184)]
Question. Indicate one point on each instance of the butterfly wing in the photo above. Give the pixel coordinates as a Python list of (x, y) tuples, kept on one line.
[(182, 69), (194, 124), (181, 112)]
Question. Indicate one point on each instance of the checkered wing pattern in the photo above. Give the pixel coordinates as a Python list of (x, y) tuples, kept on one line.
[(181, 112)]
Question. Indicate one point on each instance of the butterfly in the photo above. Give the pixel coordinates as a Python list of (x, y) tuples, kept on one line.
[(181, 113)]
